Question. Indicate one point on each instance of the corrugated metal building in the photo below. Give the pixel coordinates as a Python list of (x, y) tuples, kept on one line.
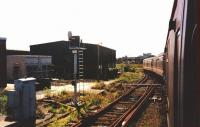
[(21, 66), (2, 62), (98, 61)]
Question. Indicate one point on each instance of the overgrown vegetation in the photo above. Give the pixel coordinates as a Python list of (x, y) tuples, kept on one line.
[(129, 77), (72, 118), (89, 102), (130, 73), (96, 100), (99, 85), (129, 67), (3, 103), (47, 92)]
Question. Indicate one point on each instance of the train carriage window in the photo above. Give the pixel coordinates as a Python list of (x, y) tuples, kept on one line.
[(157, 63)]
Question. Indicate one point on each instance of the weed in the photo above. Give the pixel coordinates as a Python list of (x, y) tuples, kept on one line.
[(53, 110), (3, 103), (47, 92), (59, 123), (99, 85)]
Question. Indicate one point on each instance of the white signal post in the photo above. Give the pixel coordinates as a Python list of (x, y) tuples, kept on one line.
[(74, 51)]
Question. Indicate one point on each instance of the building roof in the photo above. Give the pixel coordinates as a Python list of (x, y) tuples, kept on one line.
[(31, 56), (62, 41), (2, 38)]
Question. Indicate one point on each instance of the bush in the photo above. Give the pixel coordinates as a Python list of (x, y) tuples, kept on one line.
[(129, 77), (3, 103), (53, 110), (129, 68)]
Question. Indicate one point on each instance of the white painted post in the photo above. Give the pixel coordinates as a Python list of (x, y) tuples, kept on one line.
[(75, 78)]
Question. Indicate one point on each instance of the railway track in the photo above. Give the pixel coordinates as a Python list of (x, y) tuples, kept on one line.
[(118, 113), (122, 110)]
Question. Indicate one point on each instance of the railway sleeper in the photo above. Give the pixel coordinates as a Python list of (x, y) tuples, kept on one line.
[(120, 107), (100, 125), (104, 122), (119, 111), (115, 113), (126, 102), (104, 118), (111, 115)]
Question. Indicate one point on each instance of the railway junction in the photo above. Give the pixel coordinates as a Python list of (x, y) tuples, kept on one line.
[(76, 84)]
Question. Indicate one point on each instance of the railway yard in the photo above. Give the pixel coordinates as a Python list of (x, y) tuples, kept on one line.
[(70, 83), (100, 107), (126, 100)]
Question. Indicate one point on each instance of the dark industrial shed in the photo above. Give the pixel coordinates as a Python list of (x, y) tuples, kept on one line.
[(98, 61), (17, 52)]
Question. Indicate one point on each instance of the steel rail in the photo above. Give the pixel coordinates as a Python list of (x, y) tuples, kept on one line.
[(87, 120), (131, 113)]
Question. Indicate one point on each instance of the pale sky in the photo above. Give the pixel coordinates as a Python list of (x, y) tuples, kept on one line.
[(131, 27)]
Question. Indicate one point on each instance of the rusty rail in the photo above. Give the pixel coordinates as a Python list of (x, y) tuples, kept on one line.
[(52, 119), (131, 113), (137, 105)]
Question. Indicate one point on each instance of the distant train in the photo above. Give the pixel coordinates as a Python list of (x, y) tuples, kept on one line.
[(154, 64), (179, 65)]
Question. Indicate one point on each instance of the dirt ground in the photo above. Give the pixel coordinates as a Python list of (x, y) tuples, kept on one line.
[(154, 114)]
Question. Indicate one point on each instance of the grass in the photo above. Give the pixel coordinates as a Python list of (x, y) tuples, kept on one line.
[(130, 74), (130, 67), (47, 92), (99, 85), (129, 77), (89, 100), (59, 123), (63, 96), (96, 100), (3, 103)]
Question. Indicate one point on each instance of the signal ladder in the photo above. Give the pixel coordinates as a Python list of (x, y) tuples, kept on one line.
[(81, 68)]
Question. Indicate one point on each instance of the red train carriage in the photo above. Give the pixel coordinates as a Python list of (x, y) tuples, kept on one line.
[(154, 64), (181, 65)]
